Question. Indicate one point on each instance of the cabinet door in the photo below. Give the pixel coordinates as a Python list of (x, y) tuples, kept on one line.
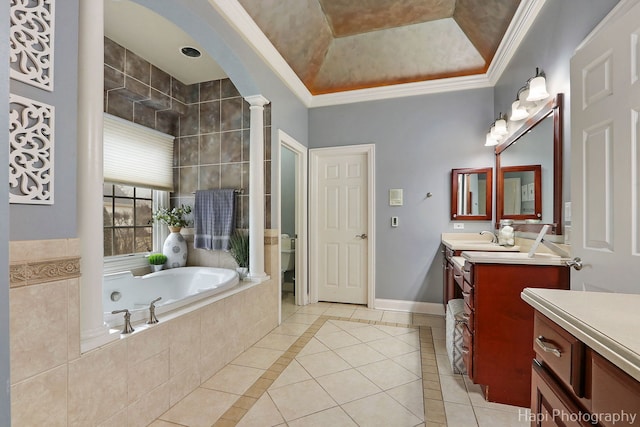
[(614, 393), (550, 405)]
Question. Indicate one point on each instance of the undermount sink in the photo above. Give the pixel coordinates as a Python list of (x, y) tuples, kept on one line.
[(514, 258)]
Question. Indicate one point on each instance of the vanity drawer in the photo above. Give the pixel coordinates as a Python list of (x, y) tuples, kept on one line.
[(469, 317), (467, 350), (448, 253), (467, 272), (457, 275), (560, 352), (467, 294)]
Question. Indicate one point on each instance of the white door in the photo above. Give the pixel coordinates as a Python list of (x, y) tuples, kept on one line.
[(340, 232), (605, 158)]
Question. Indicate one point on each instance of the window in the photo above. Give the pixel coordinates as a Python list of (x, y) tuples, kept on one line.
[(128, 228)]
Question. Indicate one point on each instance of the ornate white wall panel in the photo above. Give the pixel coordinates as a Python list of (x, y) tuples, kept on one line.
[(31, 131), (31, 41)]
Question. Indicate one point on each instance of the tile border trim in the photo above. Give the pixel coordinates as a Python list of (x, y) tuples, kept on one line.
[(38, 272)]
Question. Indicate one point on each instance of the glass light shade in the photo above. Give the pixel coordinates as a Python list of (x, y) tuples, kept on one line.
[(490, 140), (495, 133), (501, 127), (518, 112), (537, 89)]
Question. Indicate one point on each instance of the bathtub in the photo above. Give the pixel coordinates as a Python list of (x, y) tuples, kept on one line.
[(178, 287)]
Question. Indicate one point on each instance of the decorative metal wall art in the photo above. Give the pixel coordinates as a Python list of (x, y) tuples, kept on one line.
[(31, 131)]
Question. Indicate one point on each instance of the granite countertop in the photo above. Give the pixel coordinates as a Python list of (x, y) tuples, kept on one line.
[(606, 322)]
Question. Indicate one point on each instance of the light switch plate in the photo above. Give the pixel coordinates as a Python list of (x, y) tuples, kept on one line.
[(458, 226)]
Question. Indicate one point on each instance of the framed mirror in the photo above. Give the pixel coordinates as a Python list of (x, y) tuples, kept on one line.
[(535, 146), (472, 194), (522, 192)]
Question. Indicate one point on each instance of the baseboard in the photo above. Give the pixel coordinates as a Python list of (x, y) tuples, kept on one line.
[(432, 308)]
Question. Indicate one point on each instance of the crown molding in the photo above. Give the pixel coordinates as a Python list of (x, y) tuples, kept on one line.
[(520, 24), (235, 14)]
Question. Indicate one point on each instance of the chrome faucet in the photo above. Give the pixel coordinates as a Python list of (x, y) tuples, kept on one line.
[(494, 239), (152, 312), (127, 321)]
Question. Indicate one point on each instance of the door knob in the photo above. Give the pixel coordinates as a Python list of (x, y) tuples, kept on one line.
[(361, 236), (575, 263)]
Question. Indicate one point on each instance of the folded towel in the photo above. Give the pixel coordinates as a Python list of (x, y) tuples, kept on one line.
[(214, 218)]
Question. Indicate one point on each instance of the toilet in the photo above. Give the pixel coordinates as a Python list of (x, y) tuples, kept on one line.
[(288, 254)]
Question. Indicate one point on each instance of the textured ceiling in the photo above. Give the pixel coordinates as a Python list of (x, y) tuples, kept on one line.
[(339, 45)]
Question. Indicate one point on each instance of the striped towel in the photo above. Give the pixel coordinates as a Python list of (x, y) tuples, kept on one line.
[(214, 218)]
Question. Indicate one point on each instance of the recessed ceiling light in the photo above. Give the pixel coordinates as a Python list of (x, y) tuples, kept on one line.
[(191, 52)]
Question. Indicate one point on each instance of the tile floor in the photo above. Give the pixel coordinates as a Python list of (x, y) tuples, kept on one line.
[(342, 365)]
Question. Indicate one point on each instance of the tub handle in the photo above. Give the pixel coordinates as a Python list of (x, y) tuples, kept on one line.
[(127, 321), (152, 312)]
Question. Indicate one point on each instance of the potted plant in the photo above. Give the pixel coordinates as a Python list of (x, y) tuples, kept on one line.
[(174, 218), (239, 250), (156, 261)]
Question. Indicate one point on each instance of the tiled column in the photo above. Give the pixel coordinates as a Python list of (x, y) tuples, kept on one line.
[(256, 187), (93, 332)]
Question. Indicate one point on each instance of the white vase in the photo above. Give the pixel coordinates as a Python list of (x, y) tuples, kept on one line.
[(242, 272), (175, 249), (156, 267)]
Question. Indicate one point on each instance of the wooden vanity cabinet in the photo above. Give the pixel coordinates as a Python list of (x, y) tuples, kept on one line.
[(573, 385), (497, 340)]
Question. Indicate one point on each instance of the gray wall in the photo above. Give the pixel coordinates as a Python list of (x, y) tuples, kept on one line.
[(5, 400), (32, 222), (550, 43), (418, 140)]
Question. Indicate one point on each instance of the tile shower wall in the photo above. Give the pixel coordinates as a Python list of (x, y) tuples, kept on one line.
[(210, 121)]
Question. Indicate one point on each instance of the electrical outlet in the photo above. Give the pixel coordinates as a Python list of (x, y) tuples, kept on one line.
[(394, 221), (458, 226)]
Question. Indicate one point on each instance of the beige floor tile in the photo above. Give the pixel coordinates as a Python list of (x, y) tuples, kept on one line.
[(313, 309), (459, 415), (338, 339), (305, 319), (387, 374), (233, 379), (161, 423), (453, 389), (428, 320), (294, 373), (334, 417), (412, 338), (263, 414), (444, 366), (438, 333), (391, 347), (395, 330), (328, 328), (495, 418), (347, 386), (380, 410), (396, 317), (201, 408), (341, 311), (368, 333), (260, 358), (346, 325), (440, 346), (411, 362), (312, 347), (301, 399), (477, 399), (367, 314), (359, 355), (293, 329), (325, 363), (276, 341), (410, 396)]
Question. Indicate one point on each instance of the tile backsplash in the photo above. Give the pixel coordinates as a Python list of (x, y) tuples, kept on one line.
[(210, 121)]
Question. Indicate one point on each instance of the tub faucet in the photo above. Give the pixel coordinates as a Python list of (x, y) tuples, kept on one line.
[(127, 321), (494, 239), (152, 312)]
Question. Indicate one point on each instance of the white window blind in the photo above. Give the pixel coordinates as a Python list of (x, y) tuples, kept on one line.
[(137, 155)]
